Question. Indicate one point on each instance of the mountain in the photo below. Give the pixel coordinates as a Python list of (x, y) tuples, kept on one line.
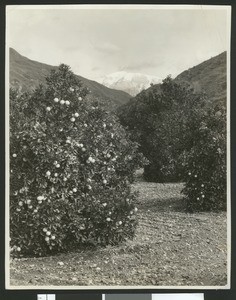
[(208, 77), (27, 74), (132, 83)]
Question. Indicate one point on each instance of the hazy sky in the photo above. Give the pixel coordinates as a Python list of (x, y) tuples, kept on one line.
[(177, 297), (96, 42)]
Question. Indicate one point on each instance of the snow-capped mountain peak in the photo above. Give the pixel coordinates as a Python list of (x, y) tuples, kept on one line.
[(132, 83)]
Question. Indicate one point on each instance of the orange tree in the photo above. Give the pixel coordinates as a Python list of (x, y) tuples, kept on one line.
[(71, 165), (157, 120), (183, 135), (205, 163)]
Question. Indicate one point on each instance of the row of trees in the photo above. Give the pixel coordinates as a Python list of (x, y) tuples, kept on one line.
[(72, 163), (183, 136)]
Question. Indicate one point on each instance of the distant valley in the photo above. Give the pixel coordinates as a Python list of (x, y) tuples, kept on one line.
[(118, 88)]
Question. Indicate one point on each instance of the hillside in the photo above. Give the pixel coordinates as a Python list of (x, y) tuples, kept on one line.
[(209, 77), (28, 74)]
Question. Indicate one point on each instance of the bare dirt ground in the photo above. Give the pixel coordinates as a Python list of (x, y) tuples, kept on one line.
[(171, 248)]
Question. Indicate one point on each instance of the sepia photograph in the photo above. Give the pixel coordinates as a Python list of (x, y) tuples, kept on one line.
[(118, 147)]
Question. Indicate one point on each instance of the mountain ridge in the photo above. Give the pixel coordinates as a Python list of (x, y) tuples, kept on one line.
[(132, 83), (208, 77), (27, 74)]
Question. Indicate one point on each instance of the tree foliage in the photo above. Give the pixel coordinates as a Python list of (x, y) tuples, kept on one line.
[(181, 134), (71, 166), (157, 120), (205, 163)]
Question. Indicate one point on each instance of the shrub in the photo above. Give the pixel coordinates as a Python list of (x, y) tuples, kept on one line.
[(70, 170), (205, 163)]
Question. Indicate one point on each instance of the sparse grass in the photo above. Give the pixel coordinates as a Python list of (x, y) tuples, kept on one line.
[(171, 248)]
